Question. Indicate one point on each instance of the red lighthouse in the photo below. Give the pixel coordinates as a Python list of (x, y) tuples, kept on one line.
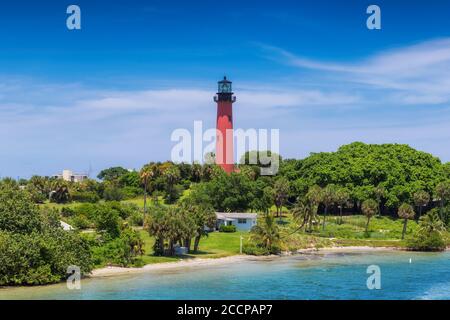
[(224, 125)]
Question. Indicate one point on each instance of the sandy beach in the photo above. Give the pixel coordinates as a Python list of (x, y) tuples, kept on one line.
[(195, 262)]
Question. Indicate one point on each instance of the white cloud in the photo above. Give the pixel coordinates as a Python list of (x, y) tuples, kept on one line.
[(70, 124), (418, 74)]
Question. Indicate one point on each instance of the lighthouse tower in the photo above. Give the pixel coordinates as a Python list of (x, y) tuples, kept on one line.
[(224, 125)]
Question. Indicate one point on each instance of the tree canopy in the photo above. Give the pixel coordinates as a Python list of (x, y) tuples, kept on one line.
[(399, 169)]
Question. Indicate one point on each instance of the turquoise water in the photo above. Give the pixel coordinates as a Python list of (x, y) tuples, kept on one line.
[(312, 276)]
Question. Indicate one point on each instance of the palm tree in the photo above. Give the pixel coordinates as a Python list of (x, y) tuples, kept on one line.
[(369, 208), (171, 175), (305, 214), (341, 197), (328, 197), (443, 193), (281, 191), (266, 233), (196, 172), (148, 172), (380, 193), (202, 215), (59, 191), (314, 196), (431, 222), (421, 199), (406, 212)]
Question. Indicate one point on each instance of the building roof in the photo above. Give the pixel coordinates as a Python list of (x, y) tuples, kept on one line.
[(235, 215), (65, 226)]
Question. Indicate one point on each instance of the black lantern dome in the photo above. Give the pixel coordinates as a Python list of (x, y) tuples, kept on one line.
[(224, 91)]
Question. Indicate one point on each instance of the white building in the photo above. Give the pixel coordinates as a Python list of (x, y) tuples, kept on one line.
[(68, 175), (242, 221)]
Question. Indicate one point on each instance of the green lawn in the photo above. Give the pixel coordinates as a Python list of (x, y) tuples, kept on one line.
[(139, 201), (216, 245)]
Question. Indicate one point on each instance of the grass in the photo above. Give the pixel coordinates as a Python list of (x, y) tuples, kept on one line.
[(216, 245), (353, 227), (58, 206), (382, 232), (139, 201)]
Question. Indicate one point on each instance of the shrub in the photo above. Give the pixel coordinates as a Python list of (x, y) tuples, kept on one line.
[(67, 212), (423, 242), (18, 213), (80, 221), (429, 236), (254, 250), (131, 192), (136, 219), (125, 250), (107, 220), (230, 228), (124, 209), (113, 194), (258, 250), (41, 257)]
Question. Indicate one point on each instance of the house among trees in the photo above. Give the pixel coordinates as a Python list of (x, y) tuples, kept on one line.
[(68, 175), (242, 221)]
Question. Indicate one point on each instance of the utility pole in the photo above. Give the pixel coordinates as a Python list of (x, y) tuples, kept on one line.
[(240, 250)]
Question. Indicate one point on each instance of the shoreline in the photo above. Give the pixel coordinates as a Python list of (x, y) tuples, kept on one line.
[(195, 262)]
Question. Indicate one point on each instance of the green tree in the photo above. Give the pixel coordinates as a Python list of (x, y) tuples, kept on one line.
[(446, 167), (202, 216), (428, 237), (405, 212), (112, 192), (341, 198), (421, 199), (443, 194), (34, 249), (305, 214), (280, 193), (265, 159), (107, 220), (328, 197), (369, 208), (196, 172), (18, 214), (266, 233), (171, 176), (147, 173), (379, 193), (361, 167), (112, 174), (232, 192), (59, 191), (39, 188), (169, 225), (314, 196)]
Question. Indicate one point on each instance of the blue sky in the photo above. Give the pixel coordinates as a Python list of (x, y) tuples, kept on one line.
[(112, 92)]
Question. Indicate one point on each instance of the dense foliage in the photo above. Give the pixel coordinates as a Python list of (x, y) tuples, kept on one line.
[(377, 182), (429, 236), (362, 168), (34, 249)]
